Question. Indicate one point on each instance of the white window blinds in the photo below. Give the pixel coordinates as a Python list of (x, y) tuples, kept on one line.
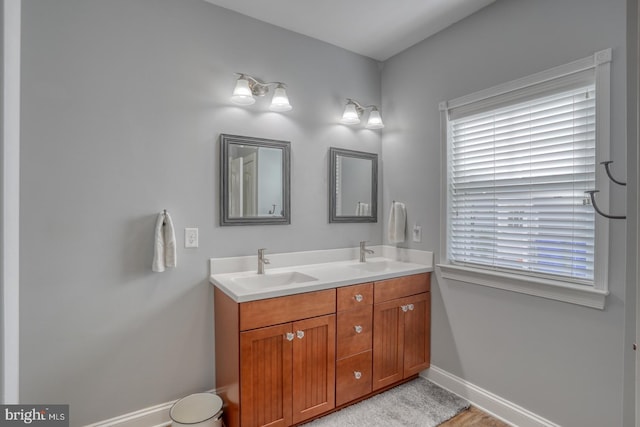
[(517, 177)]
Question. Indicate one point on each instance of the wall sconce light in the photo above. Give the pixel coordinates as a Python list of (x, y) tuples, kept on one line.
[(248, 87), (354, 110)]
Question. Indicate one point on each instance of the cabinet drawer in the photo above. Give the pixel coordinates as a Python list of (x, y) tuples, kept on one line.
[(350, 341), (401, 287), (273, 311), (353, 377), (355, 296)]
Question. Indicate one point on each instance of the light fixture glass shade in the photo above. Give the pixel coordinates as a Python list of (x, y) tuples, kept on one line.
[(350, 115), (375, 121), (280, 100), (242, 93)]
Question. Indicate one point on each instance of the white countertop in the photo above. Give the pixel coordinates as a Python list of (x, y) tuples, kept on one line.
[(243, 286)]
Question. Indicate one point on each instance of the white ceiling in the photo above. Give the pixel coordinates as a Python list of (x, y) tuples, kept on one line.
[(375, 28)]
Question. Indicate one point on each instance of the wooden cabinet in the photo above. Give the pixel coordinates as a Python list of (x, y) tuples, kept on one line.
[(285, 372), (281, 361), (401, 322)]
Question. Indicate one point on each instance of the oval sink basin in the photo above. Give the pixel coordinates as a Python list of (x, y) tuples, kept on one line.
[(375, 266), (273, 280)]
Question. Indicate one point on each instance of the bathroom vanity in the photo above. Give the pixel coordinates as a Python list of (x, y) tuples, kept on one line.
[(296, 351)]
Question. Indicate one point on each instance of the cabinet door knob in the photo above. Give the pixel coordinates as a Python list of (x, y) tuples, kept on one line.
[(358, 329), (289, 336), (358, 297), (411, 307), (357, 374), (300, 334), (405, 308)]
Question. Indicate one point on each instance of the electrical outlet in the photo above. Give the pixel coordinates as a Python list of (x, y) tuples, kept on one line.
[(417, 233), (190, 237)]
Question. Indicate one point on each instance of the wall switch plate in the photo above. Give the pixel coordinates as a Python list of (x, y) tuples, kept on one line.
[(417, 233), (190, 237)]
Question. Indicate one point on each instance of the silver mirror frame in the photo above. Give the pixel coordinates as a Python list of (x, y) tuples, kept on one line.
[(333, 156), (285, 146)]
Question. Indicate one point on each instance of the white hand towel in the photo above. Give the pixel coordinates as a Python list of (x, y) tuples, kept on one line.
[(164, 251), (170, 246), (362, 209), (397, 222)]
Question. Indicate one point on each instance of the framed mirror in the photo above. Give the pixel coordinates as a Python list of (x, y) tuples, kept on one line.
[(353, 190), (254, 181)]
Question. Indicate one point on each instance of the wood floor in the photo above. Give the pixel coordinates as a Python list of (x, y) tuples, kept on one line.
[(473, 417)]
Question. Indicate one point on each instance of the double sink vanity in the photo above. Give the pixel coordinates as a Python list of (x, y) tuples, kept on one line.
[(317, 330)]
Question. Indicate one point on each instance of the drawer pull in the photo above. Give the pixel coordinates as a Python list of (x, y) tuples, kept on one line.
[(300, 334), (289, 336), (357, 374), (358, 297), (358, 329)]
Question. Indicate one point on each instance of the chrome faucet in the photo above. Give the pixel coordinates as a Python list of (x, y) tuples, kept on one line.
[(364, 251), (262, 261)]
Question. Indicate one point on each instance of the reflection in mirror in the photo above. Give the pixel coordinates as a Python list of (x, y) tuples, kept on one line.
[(353, 193), (254, 181)]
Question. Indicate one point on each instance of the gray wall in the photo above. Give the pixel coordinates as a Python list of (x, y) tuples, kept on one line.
[(123, 102), (561, 361)]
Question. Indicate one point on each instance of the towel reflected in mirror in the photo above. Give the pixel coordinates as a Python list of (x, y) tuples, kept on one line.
[(362, 209)]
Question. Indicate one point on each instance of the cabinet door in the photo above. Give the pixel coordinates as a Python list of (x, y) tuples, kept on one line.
[(266, 367), (314, 367), (417, 333), (401, 338), (388, 344)]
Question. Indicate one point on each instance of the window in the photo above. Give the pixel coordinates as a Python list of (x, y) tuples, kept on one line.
[(519, 158), (517, 180)]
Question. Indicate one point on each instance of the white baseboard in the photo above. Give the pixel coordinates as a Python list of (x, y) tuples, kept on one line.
[(156, 416), (153, 416), (492, 404)]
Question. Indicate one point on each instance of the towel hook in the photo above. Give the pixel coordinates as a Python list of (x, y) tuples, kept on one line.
[(595, 206), (606, 167)]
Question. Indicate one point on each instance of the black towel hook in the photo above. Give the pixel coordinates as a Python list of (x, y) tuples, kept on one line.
[(606, 167), (595, 206)]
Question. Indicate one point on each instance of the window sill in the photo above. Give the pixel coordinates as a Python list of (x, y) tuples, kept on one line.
[(555, 290)]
